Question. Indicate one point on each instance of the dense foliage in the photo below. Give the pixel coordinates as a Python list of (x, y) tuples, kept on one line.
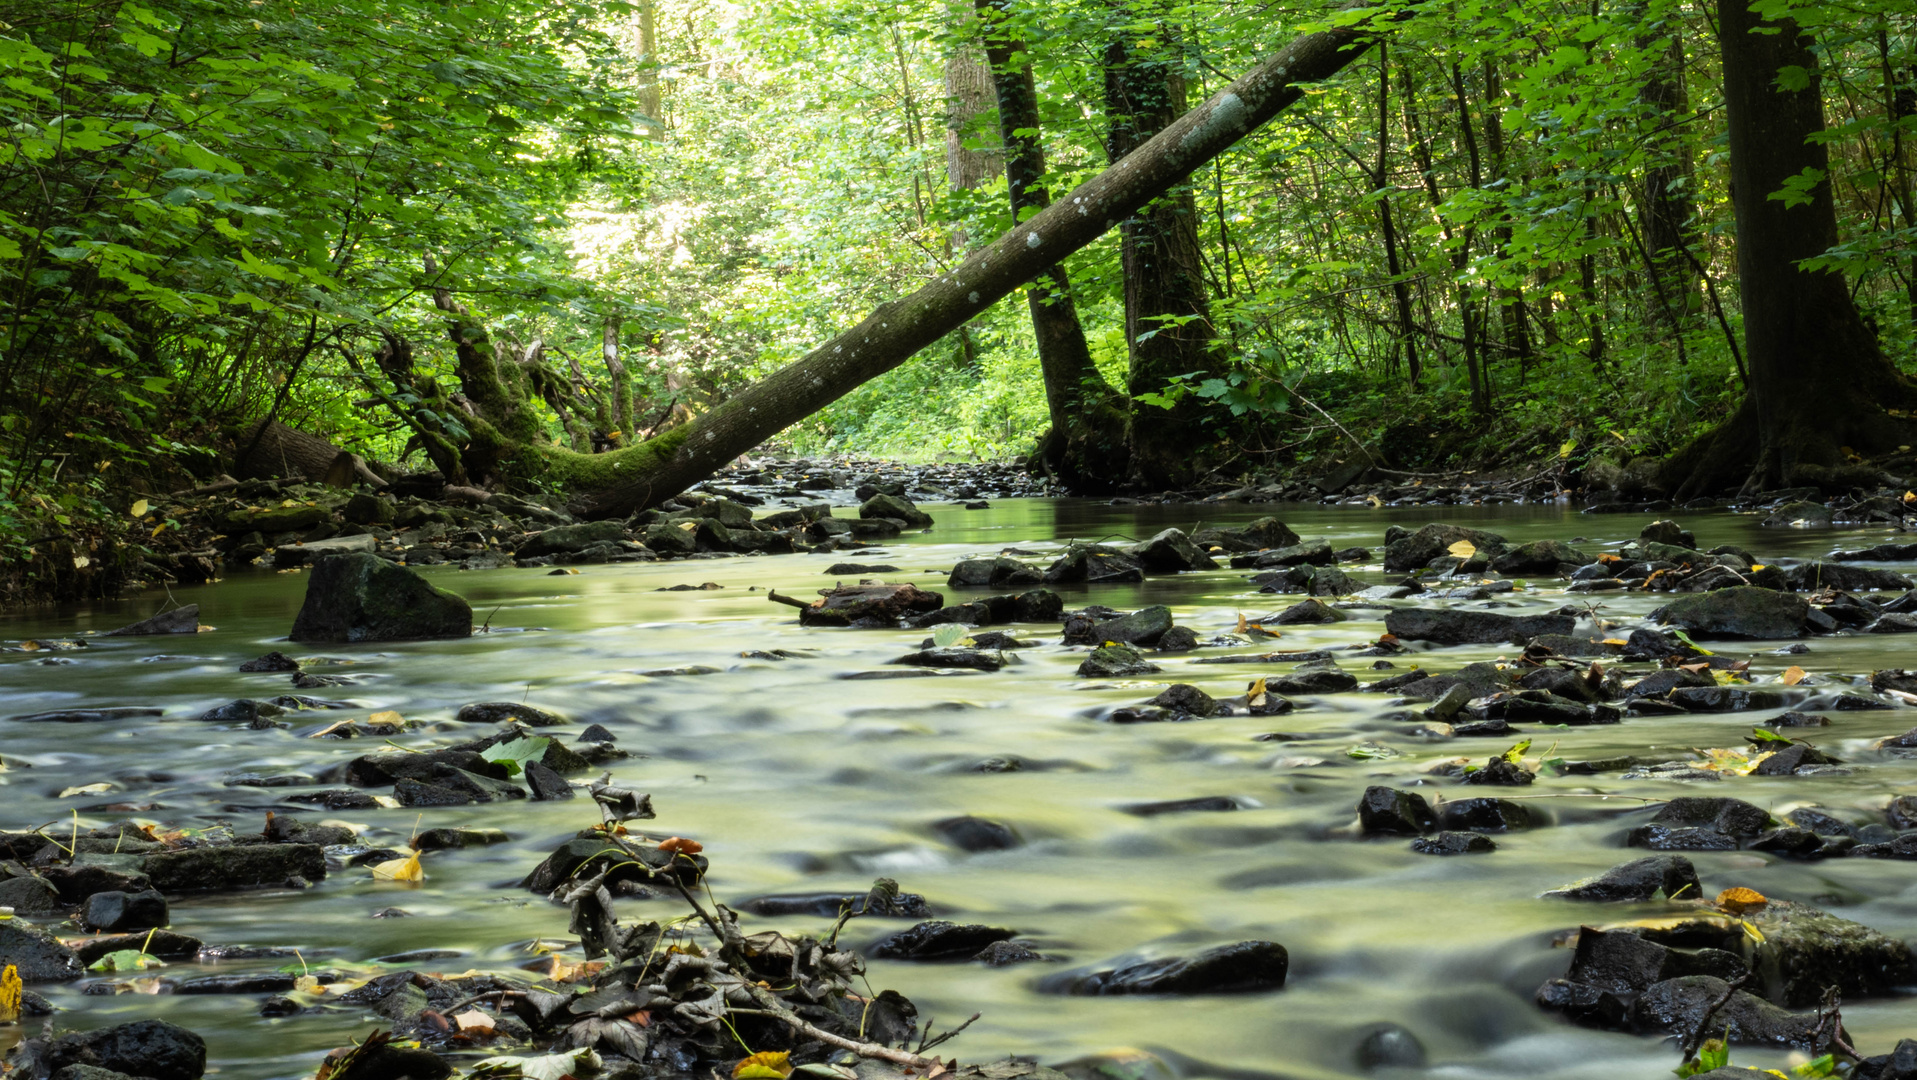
[(1504, 234)]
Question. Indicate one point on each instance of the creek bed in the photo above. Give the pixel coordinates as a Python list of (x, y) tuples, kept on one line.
[(797, 780)]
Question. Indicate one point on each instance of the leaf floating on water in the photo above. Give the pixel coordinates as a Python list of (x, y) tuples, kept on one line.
[(765, 1065), (1739, 900), (1371, 752), (1792, 675), (126, 960), (1762, 737), (679, 845), (407, 869), (1463, 549), (946, 635), (1515, 755), (86, 789), (387, 717)]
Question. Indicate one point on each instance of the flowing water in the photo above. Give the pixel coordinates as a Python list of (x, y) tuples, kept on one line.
[(797, 780)]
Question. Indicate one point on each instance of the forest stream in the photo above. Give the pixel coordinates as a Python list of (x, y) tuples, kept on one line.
[(799, 780)]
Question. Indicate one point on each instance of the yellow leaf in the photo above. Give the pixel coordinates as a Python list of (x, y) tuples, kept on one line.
[(10, 993), (407, 869), (1375, 501), (765, 1065), (81, 562), (86, 789), (139, 509), (1792, 675), (1565, 450), (1739, 900), (1243, 627), (1463, 549), (614, 434), (157, 530), (308, 984), (387, 801), (1615, 641), (1255, 693), (1515, 755), (473, 1020), (387, 717), (689, 526)]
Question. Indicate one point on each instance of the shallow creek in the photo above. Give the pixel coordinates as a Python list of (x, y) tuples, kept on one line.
[(797, 780)]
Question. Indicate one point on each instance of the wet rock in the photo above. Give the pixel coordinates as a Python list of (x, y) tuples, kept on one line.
[(1267, 532), (1306, 680), (1177, 640), (39, 957), (365, 508), (387, 1062), (238, 866), (977, 834), (1115, 662), (570, 539), (829, 905), (546, 783), (1589, 1006), (1308, 612), (869, 605), (87, 873), (1787, 761), (453, 839), (1455, 627), (1539, 557), (1677, 1006), (1311, 580), (118, 911), (263, 982), (445, 785), (1171, 552), (1716, 699), (1245, 967), (379, 770), (896, 507), (161, 943), (1478, 680), (1186, 699), (1208, 804), (273, 661), (1389, 1046), (30, 895), (1454, 843), (1093, 564), (502, 712), (1700, 824), (1037, 605), (852, 569), (1006, 953), (1484, 815), (1805, 950), (1500, 773), (1743, 611), (962, 658), (1314, 553), (362, 597), (1389, 811), (243, 711), (1141, 627), (992, 573), (84, 716), (147, 1048), (1414, 550), (180, 620), (584, 856), (1815, 576), (1637, 880), (1669, 532), (1899, 1064), (938, 940)]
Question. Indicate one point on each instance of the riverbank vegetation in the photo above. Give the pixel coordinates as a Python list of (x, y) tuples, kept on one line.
[(508, 242)]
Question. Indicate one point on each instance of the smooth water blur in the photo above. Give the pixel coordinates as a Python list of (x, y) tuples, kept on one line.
[(798, 780)]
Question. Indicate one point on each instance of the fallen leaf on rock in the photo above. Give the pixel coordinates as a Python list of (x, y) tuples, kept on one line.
[(1255, 694), (474, 1021), (1739, 900), (407, 869), (126, 960), (564, 971), (1792, 675), (387, 717), (1463, 549), (679, 845)]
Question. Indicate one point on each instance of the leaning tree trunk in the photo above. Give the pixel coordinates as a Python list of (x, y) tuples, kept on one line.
[(645, 475), (269, 449), (1167, 310), (1086, 445), (1819, 383)]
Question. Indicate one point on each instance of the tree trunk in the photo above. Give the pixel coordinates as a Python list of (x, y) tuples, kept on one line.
[(1086, 445), (651, 97), (272, 450), (622, 418), (1168, 324), (1664, 205), (1819, 383), (1394, 265), (968, 95), (624, 481)]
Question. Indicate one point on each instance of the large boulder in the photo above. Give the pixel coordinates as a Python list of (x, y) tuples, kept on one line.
[(1743, 611), (1414, 551), (149, 1048), (1817, 575), (896, 507), (1171, 552), (1142, 627), (1805, 950), (1455, 627), (362, 597), (37, 957)]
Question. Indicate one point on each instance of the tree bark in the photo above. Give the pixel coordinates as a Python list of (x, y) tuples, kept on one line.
[(1664, 205), (1086, 447), (1820, 384), (644, 475), (1168, 324)]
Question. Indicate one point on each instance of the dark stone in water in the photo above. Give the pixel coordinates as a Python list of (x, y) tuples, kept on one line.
[(237, 867), (1246, 967), (181, 620), (338, 799), (243, 711), (1203, 803), (1171, 552), (584, 856), (1899, 1064), (39, 958), (1115, 662), (975, 834), (1387, 810), (1677, 1006), (828, 905), (83, 716), (1312, 681), (272, 661), (1743, 611), (147, 1048), (1389, 1046), (1141, 627), (966, 659), (1585, 1005), (938, 940), (261, 982), (1805, 950), (119, 911), (1501, 773), (1637, 880), (1006, 953), (448, 839), (1454, 843), (499, 712), (1458, 627), (378, 770), (1187, 699), (546, 783), (161, 943), (1733, 817), (1484, 815), (362, 597), (449, 786)]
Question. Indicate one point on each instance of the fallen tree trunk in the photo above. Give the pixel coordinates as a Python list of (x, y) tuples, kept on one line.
[(272, 450), (621, 482)]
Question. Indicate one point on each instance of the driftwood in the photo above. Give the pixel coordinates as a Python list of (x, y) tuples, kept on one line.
[(862, 605), (271, 450)]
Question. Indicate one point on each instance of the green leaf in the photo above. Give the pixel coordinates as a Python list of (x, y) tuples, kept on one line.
[(1686, 639), (126, 960), (514, 753), (946, 635), (1515, 755)]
